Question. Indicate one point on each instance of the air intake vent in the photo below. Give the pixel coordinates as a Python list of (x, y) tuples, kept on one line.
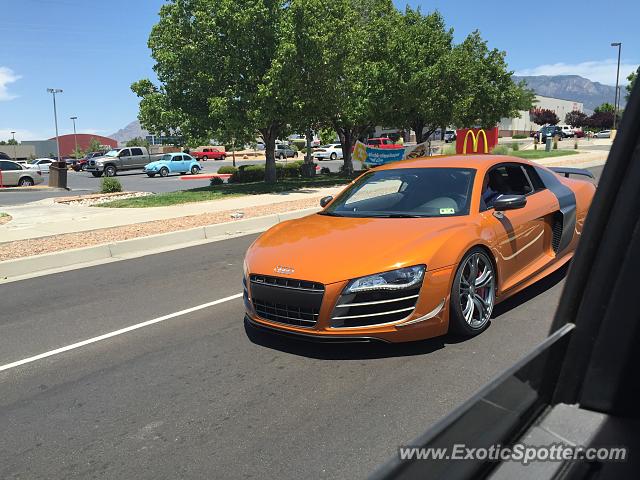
[(557, 231), (373, 308)]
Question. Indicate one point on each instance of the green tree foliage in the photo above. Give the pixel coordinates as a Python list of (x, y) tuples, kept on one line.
[(12, 141), (94, 145), (632, 81), (327, 135), (485, 90), (138, 142), (544, 116), (605, 107), (576, 119)]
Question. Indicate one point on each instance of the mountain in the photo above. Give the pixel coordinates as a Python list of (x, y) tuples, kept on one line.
[(132, 130), (572, 87)]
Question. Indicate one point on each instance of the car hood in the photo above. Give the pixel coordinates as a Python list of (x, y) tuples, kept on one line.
[(332, 249)]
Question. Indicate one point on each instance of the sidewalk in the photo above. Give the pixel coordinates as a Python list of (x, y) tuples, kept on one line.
[(46, 217)]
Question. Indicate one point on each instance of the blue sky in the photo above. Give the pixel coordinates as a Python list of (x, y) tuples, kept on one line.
[(94, 49)]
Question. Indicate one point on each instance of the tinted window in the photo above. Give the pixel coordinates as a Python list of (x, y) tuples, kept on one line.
[(505, 180), (136, 151), (9, 166), (536, 181), (125, 153), (420, 192), (177, 158)]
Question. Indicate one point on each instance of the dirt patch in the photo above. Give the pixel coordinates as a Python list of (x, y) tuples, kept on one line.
[(5, 218), (56, 243)]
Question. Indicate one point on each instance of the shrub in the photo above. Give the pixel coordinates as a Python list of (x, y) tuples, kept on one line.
[(110, 185), (519, 136), (449, 150), (227, 169), (500, 150), (215, 181), (515, 146)]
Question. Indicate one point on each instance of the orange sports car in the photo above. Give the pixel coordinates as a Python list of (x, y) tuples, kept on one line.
[(414, 249)]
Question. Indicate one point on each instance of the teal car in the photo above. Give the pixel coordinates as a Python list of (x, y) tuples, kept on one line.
[(172, 163)]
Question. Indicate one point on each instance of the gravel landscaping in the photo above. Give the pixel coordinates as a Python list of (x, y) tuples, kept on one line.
[(56, 243)]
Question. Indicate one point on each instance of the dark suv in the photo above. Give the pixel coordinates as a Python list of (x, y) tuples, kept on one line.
[(550, 131)]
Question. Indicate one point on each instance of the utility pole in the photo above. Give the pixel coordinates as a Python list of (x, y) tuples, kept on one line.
[(75, 135), (615, 104), (57, 173), (13, 136)]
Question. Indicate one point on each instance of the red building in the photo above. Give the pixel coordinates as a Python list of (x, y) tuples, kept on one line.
[(68, 142)]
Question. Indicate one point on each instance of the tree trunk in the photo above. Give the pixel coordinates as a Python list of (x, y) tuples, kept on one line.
[(418, 127), (308, 168), (346, 140), (269, 136)]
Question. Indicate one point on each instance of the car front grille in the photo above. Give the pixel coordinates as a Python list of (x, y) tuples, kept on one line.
[(286, 300), (374, 307)]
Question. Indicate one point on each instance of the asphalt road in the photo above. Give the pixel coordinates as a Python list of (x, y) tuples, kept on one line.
[(193, 397)]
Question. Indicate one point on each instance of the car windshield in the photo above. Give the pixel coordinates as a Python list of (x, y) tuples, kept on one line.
[(112, 153), (407, 192)]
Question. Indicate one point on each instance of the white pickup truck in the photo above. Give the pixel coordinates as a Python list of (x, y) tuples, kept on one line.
[(127, 158)]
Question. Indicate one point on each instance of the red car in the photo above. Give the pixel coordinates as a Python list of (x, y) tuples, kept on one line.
[(382, 142), (206, 153)]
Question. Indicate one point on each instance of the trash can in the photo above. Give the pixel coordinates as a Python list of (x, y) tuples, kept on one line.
[(58, 175), (547, 146)]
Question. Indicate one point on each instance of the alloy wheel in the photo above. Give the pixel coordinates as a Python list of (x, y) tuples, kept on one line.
[(477, 288)]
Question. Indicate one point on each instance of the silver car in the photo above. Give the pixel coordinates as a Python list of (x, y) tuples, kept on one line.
[(13, 174), (603, 134)]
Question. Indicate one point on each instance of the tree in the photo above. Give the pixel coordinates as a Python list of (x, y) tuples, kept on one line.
[(94, 145), (138, 142), (485, 90), (327, 135), (421, 97), (601, 119), (544, 116), (632, 81), (77, 153), (12, 141), (222, 65), (605, 107), (576, 119)]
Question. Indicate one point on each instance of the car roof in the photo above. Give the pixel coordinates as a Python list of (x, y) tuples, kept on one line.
[(479, 162)]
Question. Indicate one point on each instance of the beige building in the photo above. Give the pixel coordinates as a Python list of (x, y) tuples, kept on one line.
[(523, 124), (19, 152)]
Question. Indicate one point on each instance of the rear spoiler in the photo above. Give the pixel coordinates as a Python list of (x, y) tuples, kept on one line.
[(572, 171)]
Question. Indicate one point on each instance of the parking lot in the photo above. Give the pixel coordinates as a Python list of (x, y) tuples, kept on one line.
[(135, 181)]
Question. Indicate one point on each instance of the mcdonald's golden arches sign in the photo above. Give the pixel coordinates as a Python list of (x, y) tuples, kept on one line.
[(476, 140)]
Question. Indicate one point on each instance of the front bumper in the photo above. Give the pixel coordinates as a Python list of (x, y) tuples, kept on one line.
[(429, 318)]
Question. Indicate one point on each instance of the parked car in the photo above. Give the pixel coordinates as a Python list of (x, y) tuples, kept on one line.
[(450, 136), (579, 133), (205, 153), (568, 130), (4, 156), (382, 142), (128, 158), (333, 151), (42, 164), (172, 163), (81, 165), (285, 151), (13, 174), (550, 131), (603, 134)]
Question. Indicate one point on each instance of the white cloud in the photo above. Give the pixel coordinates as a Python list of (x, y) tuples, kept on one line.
[(7, 76), (603, 71), (5, 134)]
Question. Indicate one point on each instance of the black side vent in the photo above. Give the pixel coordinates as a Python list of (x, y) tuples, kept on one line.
[(556, 228)]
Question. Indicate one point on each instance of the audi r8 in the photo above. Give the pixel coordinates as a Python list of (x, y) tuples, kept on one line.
[(415, 249)]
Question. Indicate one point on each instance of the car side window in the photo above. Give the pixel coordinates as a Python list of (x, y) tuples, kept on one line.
[(176, 158), (7, 166), (503, 180), (125, 153), (534, 177), (136, 151)]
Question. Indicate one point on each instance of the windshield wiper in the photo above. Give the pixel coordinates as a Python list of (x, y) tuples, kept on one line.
[(397, 215)]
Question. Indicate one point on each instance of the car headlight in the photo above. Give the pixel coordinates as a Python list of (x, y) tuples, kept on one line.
[(393, 280)]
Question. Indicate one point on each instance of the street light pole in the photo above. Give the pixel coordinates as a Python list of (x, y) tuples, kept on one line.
[(617, 99), (53, 91), (75, 136), (13, 136)]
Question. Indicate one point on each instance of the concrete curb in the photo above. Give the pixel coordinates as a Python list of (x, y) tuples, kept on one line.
[(77, 258)]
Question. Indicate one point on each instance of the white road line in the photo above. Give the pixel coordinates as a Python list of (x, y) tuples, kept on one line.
[(117, 332)]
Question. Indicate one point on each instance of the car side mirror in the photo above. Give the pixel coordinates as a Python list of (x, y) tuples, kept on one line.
[(324, 201), (509, 202)]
